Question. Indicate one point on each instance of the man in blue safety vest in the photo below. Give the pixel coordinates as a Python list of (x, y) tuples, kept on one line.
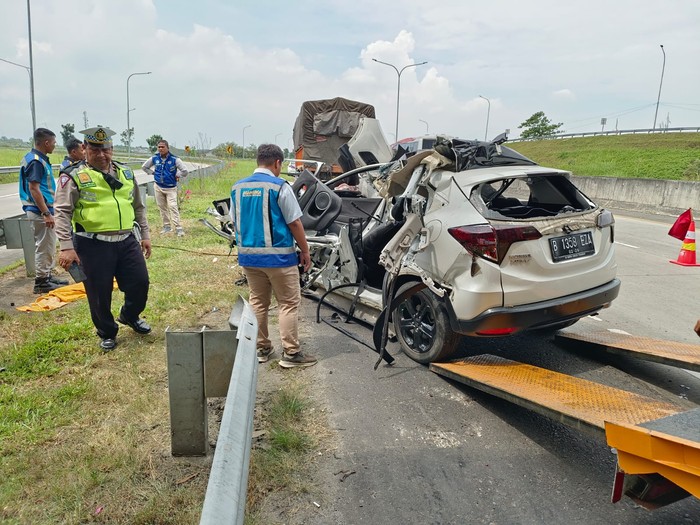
[(267, 220), (37, 188), (167, 170)]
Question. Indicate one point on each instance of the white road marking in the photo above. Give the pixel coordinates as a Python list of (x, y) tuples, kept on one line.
[(628, 245)]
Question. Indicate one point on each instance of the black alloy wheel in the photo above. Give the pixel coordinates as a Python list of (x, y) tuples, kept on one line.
[(422, 327)]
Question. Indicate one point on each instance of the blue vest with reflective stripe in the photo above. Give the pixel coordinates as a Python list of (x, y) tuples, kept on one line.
[(47, 183), (165, 170), (264, 240)]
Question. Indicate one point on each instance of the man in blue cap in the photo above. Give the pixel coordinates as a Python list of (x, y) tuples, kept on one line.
[(97, 204)]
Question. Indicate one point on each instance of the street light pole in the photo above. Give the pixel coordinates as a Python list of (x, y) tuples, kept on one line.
[(398, 87), (244, 128), (488, 114), (660, 83), (31, 68), (426, 125), (31, 95), (128, 110), (278, 134)]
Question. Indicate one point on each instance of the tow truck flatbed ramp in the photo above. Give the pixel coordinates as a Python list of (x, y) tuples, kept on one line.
[(671, 353), (573, 401), (651, 437)]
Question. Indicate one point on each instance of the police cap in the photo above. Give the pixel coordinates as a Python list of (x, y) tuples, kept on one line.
[(98, 137)]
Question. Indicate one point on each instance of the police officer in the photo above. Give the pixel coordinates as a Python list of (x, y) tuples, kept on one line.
[(97, 204)]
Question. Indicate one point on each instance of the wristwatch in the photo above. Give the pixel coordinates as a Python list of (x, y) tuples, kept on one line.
[(45, 213)]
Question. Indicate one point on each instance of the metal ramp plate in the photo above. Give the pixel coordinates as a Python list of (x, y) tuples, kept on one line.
[(573, 401), (671, 353)]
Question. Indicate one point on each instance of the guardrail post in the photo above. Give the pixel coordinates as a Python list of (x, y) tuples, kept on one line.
[(200, 365), (188, 404), (19, 234), (219, 354)]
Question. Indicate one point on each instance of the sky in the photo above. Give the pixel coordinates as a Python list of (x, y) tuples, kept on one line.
[(239, 71)]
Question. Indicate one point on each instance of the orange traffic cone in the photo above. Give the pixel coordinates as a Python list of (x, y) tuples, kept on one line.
[(687, 255)]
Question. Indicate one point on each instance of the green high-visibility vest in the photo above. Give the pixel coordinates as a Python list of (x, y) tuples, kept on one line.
[(101, 208)]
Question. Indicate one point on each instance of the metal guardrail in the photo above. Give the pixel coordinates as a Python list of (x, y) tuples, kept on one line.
[(5, 170), (612, 132), (12, 228), (216, 363), (225, 498)]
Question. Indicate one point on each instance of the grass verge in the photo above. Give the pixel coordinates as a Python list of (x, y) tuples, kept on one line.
[(84, 436), (290, 433), (666, 156)]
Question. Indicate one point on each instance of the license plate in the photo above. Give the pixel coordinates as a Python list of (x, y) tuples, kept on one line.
[(571, 246)]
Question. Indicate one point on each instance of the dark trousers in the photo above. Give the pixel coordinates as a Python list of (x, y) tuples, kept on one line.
[(102, 262)]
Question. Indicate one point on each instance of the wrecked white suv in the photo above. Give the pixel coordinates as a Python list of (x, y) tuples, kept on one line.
[(469, 238)]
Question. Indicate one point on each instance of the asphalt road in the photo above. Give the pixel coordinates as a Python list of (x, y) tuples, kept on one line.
[(423, 449)]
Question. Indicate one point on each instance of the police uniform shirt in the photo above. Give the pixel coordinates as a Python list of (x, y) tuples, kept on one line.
[(67, 194)]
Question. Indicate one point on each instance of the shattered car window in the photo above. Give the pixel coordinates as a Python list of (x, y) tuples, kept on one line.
[(528, 197)]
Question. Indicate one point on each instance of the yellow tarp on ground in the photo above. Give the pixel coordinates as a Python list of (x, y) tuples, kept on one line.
[(57, 298)]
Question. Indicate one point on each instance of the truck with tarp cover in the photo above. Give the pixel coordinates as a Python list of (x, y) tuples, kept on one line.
[(322, 128)]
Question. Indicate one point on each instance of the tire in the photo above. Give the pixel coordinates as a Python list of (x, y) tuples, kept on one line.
[(422, 327)]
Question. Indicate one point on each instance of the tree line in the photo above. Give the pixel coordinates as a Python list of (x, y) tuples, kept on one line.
[(537, 126)]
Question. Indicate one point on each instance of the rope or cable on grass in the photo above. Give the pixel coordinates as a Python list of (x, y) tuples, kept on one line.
[(194, 251)]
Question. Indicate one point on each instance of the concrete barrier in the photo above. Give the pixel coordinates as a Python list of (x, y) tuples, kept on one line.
[(662, 197)]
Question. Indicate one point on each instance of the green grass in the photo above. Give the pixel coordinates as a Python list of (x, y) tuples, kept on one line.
[(55, 381), (81, 430), (667, 156), (279, 464)]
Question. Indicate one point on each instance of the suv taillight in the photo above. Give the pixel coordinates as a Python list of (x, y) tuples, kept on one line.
[(492, 242)]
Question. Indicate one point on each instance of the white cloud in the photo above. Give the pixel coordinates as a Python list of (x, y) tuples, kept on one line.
[(564, 94), (219, 67)]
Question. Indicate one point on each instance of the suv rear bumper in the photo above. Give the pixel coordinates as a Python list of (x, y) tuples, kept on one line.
[(537, 315)]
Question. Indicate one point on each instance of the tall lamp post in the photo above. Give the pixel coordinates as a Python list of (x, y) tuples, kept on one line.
[(31, 94), (426, 125), (244, 128), (660, 84), (31, 67), (128, 110), (398, 87), (488, 114), (276, 138)]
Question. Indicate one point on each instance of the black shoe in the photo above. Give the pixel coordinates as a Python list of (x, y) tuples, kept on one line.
[(139, 326), (56, 280), (44, 285), (107, 344)]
